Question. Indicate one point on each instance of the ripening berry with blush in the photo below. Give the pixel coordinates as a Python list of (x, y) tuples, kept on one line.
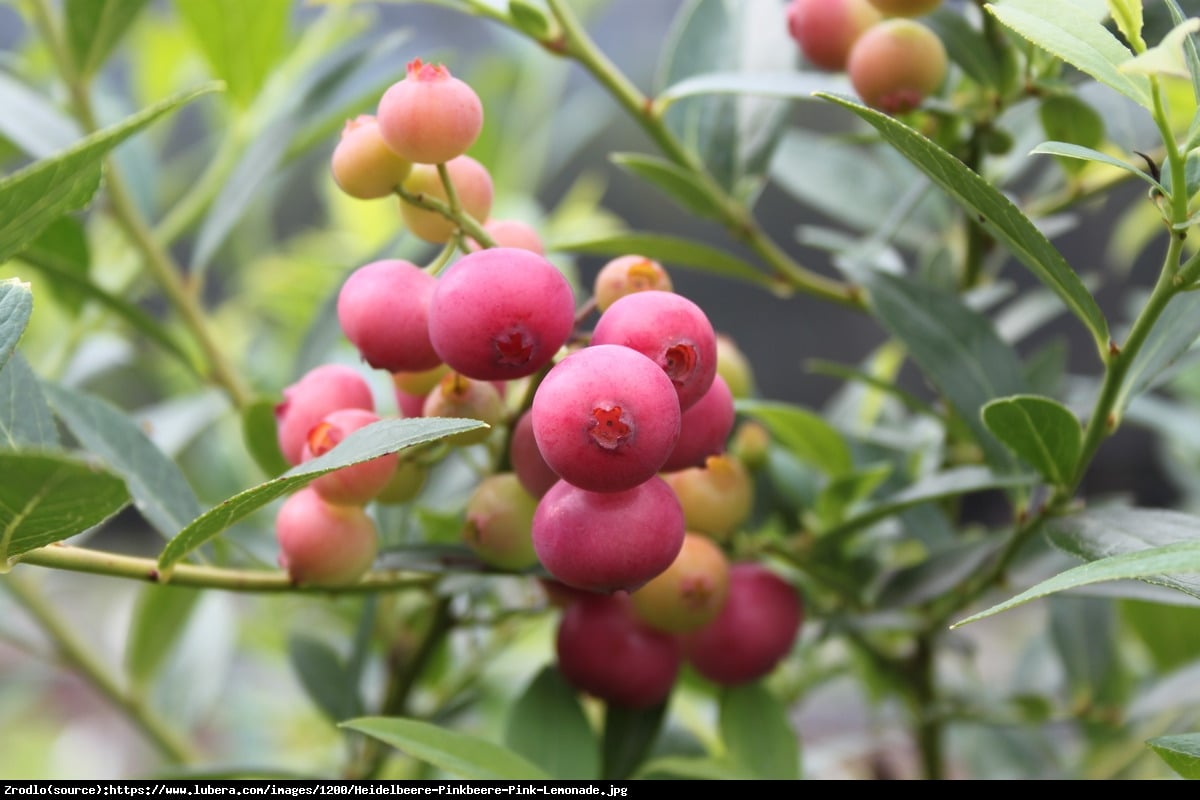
[(605, 651), (905, 8), (825, 30), (690, 593), (356, 484), (626, 275), (751, 444), (499, 522), (459, 396), (532, 470), (430, 116), (896, 64), (512, 233), (472, 184), (608, 541), (383, 309), (704, 428), (363, 165), (500, 314), (406, 483), (754, 631), (320, 391), (671, 331), (605, 418), (734, 367), (717, 499), (323, 544)]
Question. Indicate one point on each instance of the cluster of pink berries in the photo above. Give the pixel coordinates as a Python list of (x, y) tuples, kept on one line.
[(893, 61)]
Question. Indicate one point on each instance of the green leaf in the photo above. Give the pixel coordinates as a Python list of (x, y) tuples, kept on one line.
[(158, 623), (260, 433), (965, 46), (1128, 16), (1167, 632), (159, 490), (46, 498), (932, 578), (1041, 431), (1001, 218), (240, 40), (16, 306), (956, 347), (1070, 33), (325, 677), (62, 248), (1066, 118), (670, 250), (94, 27), (803, 433), (25, 420), (530, 19), (734, 135), (1181, 752), (1083, 632), (1167, 58), (37, 195), (550, 704), (789, 85), (1173, 334), (372, 441), (702, 768), (1067, 150), (629, 733), (676, 182), (453, 752), (1189, 48), (844, 492), (758, 734)]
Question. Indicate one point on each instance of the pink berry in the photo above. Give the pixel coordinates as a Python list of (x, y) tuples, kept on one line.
[(626, 275), (324, 544), (472, 183), (363, 165), (430, 116), (896, 64), (608, 541), (704, 428), (512, 233), (383, 309), (532, 470), (605, 651), (324, 389), (825, 30), (671, 331), (756, 628), (500, 314), (605, 418), (358, 483)]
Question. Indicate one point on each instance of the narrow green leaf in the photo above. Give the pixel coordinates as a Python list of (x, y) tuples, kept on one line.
[(26, 421), (1181, 752), (670, 250), (16, 306), (803, 433), (944, 570), (95, 26), (530, 19), (1003, 219), (1067, 118), (1128, 16), (677, 183), (758, 734), (842, 493), (158, 623), (159, 490), (629, 734), (1189, 49), (956, 347), (701, 768), (965, 46), (35, 196), (1173, 335), (790, 85), (549, 703), (46, 498), (453, 752), (1041, 431), (1067, 31), (325, 677), (63, 248), (260, 433), (1168, 57), (241, 40), (372, 441), (1067, 150)]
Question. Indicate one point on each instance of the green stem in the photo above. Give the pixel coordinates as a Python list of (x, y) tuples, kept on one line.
[(462, 219), (98, 562), (76, 653)]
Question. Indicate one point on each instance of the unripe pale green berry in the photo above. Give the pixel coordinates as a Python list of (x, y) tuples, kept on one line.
[(419, 383), (896, 64), (363, 165), (430, 116), (905, 8), (459, 396), (472, 184), (500, 522), (626, 275), (717, 498), (323, 544), (825, 30), (750, 444), (734, 367), (690, 593), (406, 483)]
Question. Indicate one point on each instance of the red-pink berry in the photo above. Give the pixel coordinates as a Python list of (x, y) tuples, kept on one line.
[(704, 428), (608, 541), (671, 331), (324, 544), (532, 470), (512, 233), (825, 30), (500, 314), (358, 483), (606, 418), (896, 64), (430, 116), (363, 165), (383, 309), (322, 390)]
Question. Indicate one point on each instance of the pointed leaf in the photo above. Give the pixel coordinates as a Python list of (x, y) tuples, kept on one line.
[(804, 433), (1166, 58), (46, 498), (1128, 16), (1067, 150), (1173, 334), (241, 40), (677, 183), (1181, 752), (35, 196), (16, 305), (95, 26), (450, 751), (155, 482), (791, 85), (158, 623), (25, 419), (1191, 52), (670, 250), (1067, 31), (325, 677), (629, 734), (758, 734), (63, 248), (1003, 219), (549, 703), (372, 441), (1041, 431)]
